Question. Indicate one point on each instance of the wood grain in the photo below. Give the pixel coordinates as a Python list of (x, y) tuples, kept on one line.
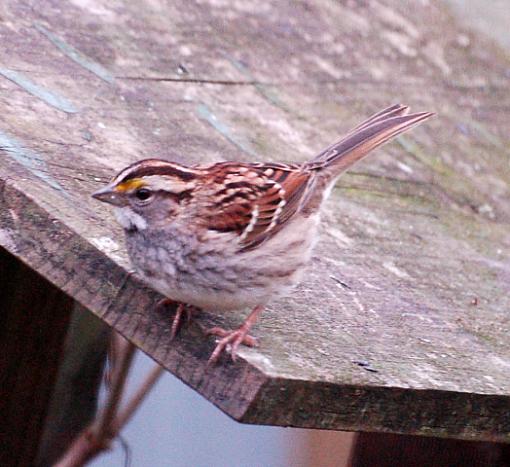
[(401, 324)]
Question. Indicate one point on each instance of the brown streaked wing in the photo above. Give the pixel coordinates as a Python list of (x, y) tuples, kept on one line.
[(256, 200)]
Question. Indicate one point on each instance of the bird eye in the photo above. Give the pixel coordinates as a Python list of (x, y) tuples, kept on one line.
[(143, 194)]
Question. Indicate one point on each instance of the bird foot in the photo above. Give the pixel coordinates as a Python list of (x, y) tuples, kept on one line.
[(230, 338), (183, 311)]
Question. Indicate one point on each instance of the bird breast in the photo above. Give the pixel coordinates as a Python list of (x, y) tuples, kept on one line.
[(211, 273)]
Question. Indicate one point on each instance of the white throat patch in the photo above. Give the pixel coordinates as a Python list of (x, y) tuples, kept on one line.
[(130, 219)]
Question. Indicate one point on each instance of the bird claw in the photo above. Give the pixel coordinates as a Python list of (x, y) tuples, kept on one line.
[(232, 339)]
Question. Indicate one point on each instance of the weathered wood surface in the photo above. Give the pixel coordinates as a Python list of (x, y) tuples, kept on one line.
[(402, 322)]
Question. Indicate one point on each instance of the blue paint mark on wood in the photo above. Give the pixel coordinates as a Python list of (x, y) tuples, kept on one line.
[(266, 91), (28, 159), (77, 56), (205, 113), (50, 97)]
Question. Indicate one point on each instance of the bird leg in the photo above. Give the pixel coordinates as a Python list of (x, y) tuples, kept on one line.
[(234, 338), (182, 309)]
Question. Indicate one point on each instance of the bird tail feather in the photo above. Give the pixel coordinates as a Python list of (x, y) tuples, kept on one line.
[(370, 134)]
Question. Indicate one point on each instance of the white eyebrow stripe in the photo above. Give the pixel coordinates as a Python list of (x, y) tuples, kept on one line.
[(154, 165), (164, 183)]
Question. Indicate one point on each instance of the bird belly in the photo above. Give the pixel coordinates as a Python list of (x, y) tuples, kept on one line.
[(224, 279)]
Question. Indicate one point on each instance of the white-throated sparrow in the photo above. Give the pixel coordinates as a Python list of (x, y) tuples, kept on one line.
[(232, 235)]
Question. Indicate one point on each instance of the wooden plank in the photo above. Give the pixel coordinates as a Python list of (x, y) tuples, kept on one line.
[(388, 450), (74, 400), (35, 317), (401, 324)]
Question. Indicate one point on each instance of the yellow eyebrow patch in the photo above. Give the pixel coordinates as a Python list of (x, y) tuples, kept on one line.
[(130, 185)]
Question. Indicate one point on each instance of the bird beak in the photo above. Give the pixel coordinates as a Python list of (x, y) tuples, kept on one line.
[(110, 196)]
